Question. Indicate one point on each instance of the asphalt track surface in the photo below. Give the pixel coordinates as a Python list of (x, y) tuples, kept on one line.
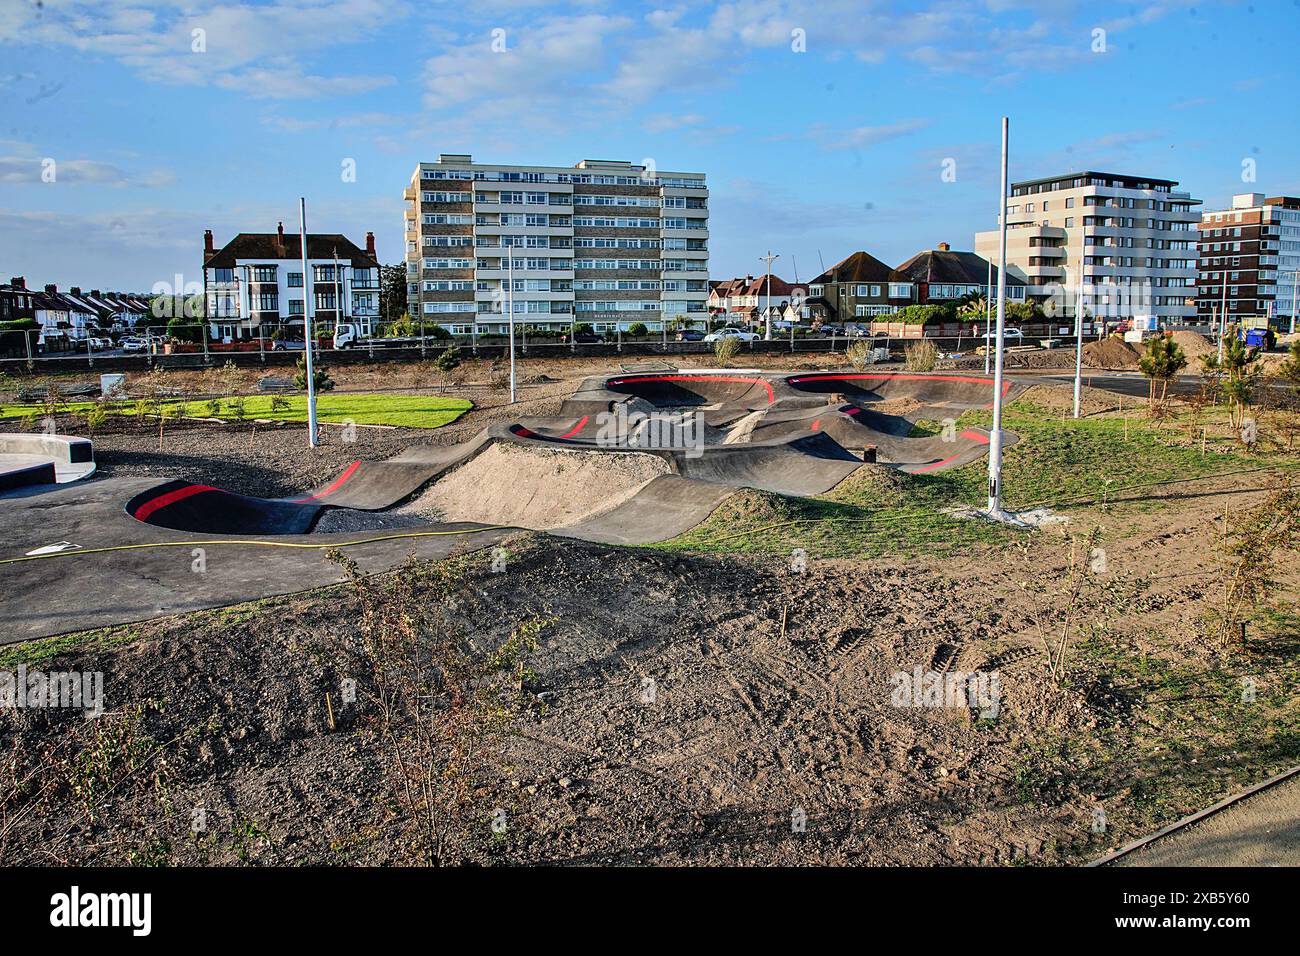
[(114, 551)]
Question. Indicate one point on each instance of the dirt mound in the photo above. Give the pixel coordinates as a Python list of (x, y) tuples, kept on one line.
[(1194, 344), (1110, 352), (536, 488), (1060, 398)]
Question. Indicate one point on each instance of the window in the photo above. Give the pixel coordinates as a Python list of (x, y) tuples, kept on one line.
[(322, 273), (295, 307), (325, 299), (223, 275), (263, 273), (268, 302), (295, 280)]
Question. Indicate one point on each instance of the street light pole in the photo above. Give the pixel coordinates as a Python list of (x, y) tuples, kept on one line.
[(1078, 342), (312, 436), (1295, 275), (995, 436), (767, 335), (510, 300)]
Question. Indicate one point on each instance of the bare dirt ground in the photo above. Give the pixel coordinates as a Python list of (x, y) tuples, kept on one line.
[(690, 709), (684, 709)]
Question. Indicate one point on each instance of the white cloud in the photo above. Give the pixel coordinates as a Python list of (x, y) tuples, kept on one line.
[(257, 49)]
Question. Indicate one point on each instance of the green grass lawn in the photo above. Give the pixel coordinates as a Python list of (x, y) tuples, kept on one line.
[(410, 411), (1057, 464)]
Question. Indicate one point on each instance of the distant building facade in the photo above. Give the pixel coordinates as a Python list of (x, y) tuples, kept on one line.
[(254, 284), (604, 242), (1114, 245), (1249, 257)]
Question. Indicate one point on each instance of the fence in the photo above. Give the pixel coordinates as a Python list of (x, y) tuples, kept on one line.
[(266, 353)]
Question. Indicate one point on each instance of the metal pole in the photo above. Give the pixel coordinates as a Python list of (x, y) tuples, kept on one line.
[(988, 318), (1078, 344), (767, 334), (995, 436), (1295, 275), (312, 437), (510, 304), (1223, 314)]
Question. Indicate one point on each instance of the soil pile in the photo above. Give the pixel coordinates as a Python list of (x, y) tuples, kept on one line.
[(1110, 352), (536, 488), (1194, 344)]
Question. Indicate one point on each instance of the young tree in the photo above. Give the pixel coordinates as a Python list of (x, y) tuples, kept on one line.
[(446, 363), (392, 291), (1161, 363), (1239, 374)]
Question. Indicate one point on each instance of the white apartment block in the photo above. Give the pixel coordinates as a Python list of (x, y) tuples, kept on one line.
[(1117, 246), (1250, 260), (605, 243), (253, 285)]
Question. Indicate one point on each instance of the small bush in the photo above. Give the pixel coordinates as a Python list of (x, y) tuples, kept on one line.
[(725, 349), (920, 356), (320, 377), (638, 329)]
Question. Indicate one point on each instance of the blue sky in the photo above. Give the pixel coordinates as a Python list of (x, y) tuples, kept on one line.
[(812, 153)]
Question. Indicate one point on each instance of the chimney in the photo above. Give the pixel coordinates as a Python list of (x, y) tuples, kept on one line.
[(207, 243), (944, 247), (52, 289), (94, 293), (75, 290), (279, 239), (370, 245), (18, 282)]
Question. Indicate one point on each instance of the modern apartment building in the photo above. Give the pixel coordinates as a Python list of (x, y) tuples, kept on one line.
[(253, 285), (1249, 260), (604, 242), (1117, 246)]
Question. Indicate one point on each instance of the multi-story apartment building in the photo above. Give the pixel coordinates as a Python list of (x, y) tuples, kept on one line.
[(604, 242), (1117, 246), (253, 285), (859, 287), (1249, 260)]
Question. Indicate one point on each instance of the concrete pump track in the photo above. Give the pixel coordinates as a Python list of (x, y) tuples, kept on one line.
[(661, 448)]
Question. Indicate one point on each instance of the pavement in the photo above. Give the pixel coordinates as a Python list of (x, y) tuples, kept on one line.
[(1262, 829)]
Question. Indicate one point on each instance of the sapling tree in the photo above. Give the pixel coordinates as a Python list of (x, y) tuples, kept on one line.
[(447, 363), (1160, 363)]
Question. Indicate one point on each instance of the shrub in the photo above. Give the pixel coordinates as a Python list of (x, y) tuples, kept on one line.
[(1161, 362), (320, 377), (638, 329), (725, 349), (920, 356), (860, 355)]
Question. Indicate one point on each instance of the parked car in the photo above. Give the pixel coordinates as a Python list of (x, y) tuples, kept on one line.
[(587, 338), (854, 329), (1013, 334), (830, 330), (731, 332), (690, 335), (134, 344)]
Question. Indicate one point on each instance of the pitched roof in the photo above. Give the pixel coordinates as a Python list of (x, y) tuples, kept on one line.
[(946, 266), (859, 267), (271, 245)]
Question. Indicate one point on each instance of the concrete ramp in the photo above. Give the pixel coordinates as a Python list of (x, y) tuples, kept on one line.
[(34, 458)]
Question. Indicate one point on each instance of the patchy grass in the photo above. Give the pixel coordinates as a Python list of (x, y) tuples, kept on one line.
[(408, 411), (1055, 463)]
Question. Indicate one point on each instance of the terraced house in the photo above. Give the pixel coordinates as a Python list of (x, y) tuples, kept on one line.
[(605, 242)]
